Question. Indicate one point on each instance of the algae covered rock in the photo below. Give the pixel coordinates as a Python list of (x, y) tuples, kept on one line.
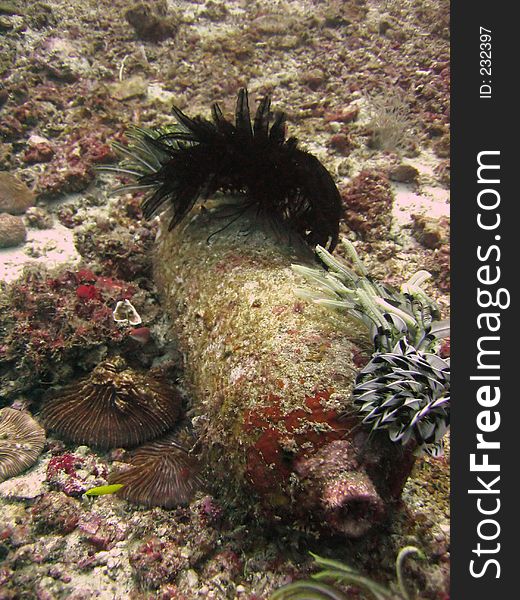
[(15, 196), (12, 231), (151, 21)]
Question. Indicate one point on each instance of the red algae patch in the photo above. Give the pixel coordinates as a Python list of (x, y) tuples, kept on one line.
[(300, 431), (51, 320), (75, 473)]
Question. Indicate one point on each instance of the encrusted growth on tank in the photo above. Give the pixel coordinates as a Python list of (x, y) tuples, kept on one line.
[(284, 437)]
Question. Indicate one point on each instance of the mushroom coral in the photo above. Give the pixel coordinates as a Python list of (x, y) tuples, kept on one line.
[(113, 407), (21, 442), (162, 474)]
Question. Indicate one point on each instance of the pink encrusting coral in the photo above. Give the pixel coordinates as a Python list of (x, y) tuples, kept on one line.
[(367, 200), (73, 473)]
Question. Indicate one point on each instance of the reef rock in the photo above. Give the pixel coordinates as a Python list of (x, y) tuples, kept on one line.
[(12, 231), (151, 21), (15, 196)]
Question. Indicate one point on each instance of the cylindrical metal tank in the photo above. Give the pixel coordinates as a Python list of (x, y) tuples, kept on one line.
[(268, 375)]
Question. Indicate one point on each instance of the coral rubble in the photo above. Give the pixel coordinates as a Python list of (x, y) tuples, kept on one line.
[(52, 320)]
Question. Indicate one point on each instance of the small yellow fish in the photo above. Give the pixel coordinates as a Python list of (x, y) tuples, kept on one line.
[(104, 489)]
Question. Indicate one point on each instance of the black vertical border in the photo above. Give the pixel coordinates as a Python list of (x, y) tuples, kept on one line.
[(480, 125)]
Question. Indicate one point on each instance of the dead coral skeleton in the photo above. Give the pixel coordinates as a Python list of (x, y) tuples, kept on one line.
[(114, 406), (126, 314), (21, 442)]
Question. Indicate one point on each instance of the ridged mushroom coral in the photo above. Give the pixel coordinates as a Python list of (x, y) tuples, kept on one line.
[(21, 442), (113, 407), (162, 473)]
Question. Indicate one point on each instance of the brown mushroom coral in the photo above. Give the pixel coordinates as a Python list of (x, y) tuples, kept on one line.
[(162, 474), (113, 407), (21, 442)]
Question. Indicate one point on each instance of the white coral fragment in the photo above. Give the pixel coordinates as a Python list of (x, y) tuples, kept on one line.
[(125, 313)]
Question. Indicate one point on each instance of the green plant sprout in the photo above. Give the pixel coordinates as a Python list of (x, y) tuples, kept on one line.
[(337, 572)]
